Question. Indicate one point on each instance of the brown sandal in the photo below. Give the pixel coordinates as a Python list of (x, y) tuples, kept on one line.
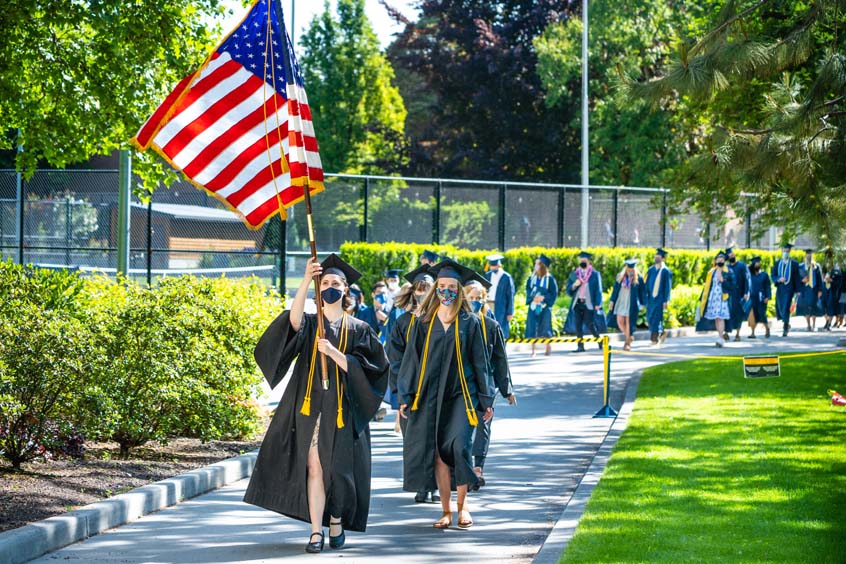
[(464, 523), (444, 522)]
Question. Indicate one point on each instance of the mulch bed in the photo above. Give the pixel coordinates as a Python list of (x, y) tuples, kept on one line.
[(45, 489)]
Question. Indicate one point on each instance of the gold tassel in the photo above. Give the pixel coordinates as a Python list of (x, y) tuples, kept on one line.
[(306, 408)]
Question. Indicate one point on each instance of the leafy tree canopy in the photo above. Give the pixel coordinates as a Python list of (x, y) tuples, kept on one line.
[(359, 115), (78, 78)]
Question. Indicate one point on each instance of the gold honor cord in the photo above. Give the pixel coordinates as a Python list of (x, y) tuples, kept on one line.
[(408, 331), (465, 389), (484, 331), (423, 364), (343, 348), (306, 407)]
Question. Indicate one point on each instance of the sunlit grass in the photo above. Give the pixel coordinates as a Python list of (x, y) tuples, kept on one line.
[(717, 468)]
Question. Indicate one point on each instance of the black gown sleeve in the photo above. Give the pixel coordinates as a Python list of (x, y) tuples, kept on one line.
[(279, 346), (478, 359), (366, 377), (499, 363)]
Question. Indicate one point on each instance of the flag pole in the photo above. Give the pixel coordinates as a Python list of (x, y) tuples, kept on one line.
[(318, 299)]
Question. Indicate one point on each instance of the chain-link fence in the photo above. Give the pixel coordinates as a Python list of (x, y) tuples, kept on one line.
[(69, 219)]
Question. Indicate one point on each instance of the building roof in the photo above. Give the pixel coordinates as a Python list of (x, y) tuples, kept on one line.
[(193, 213)]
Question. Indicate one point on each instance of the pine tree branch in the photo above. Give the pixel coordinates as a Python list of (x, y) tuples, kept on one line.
[(720, 28)]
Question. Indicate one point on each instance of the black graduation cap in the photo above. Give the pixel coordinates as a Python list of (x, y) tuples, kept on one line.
[(787, 246), (333, 264), (721, 254), (448, 268), (393, 273), (755, 259), (661, 252), (494, 259), (809, 251), (631, 263), (423, 272), (729, 250), (431, 256), (545, 259), (585, 255)]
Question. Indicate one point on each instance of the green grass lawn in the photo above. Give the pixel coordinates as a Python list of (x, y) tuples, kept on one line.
[(717, 468)]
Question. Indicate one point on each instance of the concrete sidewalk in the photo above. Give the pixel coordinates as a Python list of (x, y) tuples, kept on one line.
[(540, 451)]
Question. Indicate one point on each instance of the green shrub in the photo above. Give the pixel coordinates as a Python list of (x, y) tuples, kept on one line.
[(176, 360), (48, 289), (45, 357)]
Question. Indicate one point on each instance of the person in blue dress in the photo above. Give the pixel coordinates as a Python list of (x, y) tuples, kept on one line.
[(714, 311), (627, 299), (831, 297), (541, 293), (810, 291), (584, 286), (760, 294), (785, 276), (659, 284), (739, 299), (501, 296)]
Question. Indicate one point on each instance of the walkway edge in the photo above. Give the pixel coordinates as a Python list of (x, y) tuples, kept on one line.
[(565, 527), (36, 539)]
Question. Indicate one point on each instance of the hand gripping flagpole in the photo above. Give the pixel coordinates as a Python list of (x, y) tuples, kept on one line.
[(298, 126)]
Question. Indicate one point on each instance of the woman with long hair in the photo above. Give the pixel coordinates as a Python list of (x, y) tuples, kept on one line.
[(627, 299), (314, 461), (477, 295), (420, 281), (443, 382)]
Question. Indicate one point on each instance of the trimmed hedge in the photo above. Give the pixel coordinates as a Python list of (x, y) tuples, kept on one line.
[(689, 266)]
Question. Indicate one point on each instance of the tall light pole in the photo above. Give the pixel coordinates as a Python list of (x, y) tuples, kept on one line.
[(585, 143)]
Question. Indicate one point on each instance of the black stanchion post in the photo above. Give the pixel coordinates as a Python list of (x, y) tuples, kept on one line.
[(606, 410)]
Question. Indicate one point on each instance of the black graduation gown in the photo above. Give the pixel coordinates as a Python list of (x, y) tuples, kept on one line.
[(440, 420), (395, 347), (278, 482)]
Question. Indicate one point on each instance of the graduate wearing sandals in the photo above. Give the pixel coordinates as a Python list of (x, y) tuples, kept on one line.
[(627, 299), (314, 461), (444, 380)]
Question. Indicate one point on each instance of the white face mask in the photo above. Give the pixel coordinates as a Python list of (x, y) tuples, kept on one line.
[(393, 286), (785, 255)]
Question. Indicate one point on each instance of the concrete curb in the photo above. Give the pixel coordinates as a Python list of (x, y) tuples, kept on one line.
[(565, 527), (36, 539)]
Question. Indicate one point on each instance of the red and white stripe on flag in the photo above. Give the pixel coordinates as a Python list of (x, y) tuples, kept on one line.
[(230, 127)]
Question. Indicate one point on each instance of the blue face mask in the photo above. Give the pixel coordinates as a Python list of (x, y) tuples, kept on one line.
[(379, 299), (476, 305), (331, 295), (447, 296)]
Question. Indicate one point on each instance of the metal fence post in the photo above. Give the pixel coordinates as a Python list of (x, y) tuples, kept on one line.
[(501, 226), (436, 218), (365, 196), (68, 232), (562, 192), (748, 227), (664, 220), (150, 242), (124, 180), (20, 201), (616, 216), (708, 237)]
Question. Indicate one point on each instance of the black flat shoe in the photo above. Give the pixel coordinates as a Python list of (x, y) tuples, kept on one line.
[(315, 547), (337, 542), (421, 497), (436, 497)]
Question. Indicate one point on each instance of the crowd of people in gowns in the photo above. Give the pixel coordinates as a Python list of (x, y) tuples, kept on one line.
[(434, 349)]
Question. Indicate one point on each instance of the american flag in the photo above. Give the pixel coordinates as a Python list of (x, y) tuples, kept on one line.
[(240, 127)]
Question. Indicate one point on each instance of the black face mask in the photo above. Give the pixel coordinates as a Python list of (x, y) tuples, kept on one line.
[(755, 267), (721, 264), (733, 260), (331, 295), (583, 264)]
